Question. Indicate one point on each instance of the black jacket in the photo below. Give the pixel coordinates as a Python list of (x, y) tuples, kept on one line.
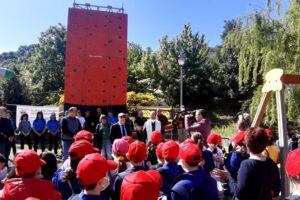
[(6, 130), (115, 131)]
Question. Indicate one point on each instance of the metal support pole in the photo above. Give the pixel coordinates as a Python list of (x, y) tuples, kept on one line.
[(283, 142), (181, 94)]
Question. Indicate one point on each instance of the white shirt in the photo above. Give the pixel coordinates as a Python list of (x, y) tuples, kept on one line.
[(148, 127), (81, 120)]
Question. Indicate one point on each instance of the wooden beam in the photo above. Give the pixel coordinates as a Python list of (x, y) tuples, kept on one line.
[(261, 109), (290, 79)]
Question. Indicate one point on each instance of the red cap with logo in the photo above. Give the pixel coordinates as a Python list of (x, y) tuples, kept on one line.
[(27, 162), (81, 148), (137, 151), (214, 138), (156, 137), (170, 150), (141, 185), (128, 139), (292, 165), (84, 135), (158, 150), (189, 140), (268, 132), (93, 167), (190, 153), (239, 138)]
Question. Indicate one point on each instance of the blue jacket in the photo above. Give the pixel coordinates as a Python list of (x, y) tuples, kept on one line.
[(194, 185), (63, 187), (169, 171), (83, 196), (119, 180), (209, 163), (233, 163)]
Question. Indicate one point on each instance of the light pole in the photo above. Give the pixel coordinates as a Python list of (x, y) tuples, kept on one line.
[(181, 61)]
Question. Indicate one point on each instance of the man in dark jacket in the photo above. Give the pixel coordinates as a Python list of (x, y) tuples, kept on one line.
[(119, 129), (70, 127), (6, 133)]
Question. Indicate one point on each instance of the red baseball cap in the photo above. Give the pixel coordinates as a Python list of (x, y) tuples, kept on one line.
[(84, 135), (239, 138), (190, 153), (268, 132), (158, 150), (141, 185), (128, 139), (214, 138), (93, 167), (156, 137), (292, 165), (120, 147), (81, 148), (27, 162), (189, 140), (170, 150), (137, 151)]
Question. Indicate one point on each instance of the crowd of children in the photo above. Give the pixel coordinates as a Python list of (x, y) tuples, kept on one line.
[(125, 168)]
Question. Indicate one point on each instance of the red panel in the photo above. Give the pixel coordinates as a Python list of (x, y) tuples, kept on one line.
[(96, 58)]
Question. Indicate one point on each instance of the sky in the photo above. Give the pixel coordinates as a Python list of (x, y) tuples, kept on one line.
[(22, 21)]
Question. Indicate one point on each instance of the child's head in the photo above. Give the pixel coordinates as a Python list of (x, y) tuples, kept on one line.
[(213, 140), (190, 156), (170, 151), (158, 153), (292, 165), (137, 153)]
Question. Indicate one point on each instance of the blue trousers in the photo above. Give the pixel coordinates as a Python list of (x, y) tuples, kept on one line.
[(65, 148)]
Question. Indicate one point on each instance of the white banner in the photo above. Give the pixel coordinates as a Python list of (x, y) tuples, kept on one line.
[(32, 110)]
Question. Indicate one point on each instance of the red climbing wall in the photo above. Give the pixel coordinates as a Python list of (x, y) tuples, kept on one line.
[(96, 58)]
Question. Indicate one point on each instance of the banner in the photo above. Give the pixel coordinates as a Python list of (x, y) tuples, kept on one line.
[(32, 110)]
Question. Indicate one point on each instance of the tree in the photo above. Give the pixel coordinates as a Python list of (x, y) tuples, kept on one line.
[(263, 43), (196, 72), (44, 70)]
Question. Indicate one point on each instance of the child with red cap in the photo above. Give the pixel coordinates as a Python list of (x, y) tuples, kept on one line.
[(65, 179), (84, 135), (141, 185), (156, 138), (120, 148), (292, 167), (194, 184), (92, 173), (170, 169), (213, 140), (137, 154), (160, 158), (30, 184), (271, 150), (234, 159)]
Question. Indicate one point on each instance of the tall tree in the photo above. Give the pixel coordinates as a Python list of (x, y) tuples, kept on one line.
[(196, 72), (44, 71)]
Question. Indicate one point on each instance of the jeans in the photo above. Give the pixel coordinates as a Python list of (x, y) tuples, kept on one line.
[(5, 149), (106, 149), (65, 148)]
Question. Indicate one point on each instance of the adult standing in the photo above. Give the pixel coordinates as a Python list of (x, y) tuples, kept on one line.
[(39, 129), (53, 127), (6, 133), (101, 137), (258, 177), (25, 130), (163, 120), (13, 124), (89, 124), (201, 125), (80, 118), (139, 124), (151, 125), (70, 127), (119, 129)]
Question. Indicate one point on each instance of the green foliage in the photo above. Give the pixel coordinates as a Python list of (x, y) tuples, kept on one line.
[(263, 43), (196, 71), (44, 70), (140, 99)]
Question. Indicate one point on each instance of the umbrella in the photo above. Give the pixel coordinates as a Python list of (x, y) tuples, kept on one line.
[(6, 73)]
